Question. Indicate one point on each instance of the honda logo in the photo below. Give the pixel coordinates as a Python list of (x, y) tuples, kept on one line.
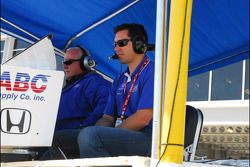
[(15, 120)]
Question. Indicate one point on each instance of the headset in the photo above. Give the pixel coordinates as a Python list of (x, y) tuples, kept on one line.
[(86, 61), (138, 36), (139, 44)]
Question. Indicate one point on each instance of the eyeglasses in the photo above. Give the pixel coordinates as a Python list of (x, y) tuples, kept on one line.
[(70, 61), (122, 42)]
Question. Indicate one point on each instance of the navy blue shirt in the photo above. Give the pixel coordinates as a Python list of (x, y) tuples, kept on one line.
[(82, 103), (142, 94)]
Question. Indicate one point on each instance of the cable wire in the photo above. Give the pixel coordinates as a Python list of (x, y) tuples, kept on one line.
[(176, 86)]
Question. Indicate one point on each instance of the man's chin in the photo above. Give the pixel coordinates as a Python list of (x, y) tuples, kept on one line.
[(67, 76), (122, 61)]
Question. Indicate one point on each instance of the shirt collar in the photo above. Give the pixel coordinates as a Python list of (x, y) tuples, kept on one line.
[(135, 71), (74, 79)]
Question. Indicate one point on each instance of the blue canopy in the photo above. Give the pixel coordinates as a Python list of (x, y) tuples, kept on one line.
[(219, 29)]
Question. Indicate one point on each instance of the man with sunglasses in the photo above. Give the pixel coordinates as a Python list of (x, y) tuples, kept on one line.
[(125, 129), (82, 103)]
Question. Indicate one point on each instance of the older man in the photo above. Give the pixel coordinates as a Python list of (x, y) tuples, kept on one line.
[(82, 103)]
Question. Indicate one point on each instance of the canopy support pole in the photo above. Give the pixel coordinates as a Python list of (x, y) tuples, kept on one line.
[(160, 67), (61, 53), (173, 126)]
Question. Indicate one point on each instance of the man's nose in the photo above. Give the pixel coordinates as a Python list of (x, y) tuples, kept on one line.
[(117, 48), (65, 66)]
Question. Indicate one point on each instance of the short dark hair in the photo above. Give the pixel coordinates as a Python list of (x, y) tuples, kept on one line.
[(133, 30)]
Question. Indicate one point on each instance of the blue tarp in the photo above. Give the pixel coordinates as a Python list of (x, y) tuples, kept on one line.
[(219, 28)]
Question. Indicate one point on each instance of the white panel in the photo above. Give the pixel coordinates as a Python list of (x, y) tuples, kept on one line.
[(235, 112), (34, 96)]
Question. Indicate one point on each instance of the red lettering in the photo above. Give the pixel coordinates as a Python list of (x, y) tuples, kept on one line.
[(6, 84), (21, 86), (36, 89), (23, 82)]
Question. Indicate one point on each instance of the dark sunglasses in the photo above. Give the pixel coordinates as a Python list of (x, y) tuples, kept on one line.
[(70, 61), (122, 42)]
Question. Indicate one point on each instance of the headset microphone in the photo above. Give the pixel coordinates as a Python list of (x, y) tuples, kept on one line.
[(114, 57)]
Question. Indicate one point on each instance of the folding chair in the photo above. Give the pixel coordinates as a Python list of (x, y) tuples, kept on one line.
[(193, 126)]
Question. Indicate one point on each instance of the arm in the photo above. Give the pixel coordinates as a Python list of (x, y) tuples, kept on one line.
[(106, 120), (138, 120), (96, 95), (144, 111), (108, 116)]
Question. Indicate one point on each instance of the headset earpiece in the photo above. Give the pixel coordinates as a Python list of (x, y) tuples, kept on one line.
[(139, 44), (86, 61)]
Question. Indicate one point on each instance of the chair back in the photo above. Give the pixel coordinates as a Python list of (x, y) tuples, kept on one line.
[(193, 126)]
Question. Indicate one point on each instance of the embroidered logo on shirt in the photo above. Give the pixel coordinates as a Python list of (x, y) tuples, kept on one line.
[(135, 88), (119, 91)]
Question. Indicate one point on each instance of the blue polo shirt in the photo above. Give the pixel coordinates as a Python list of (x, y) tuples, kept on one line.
[(142, 94), (82, 103)]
